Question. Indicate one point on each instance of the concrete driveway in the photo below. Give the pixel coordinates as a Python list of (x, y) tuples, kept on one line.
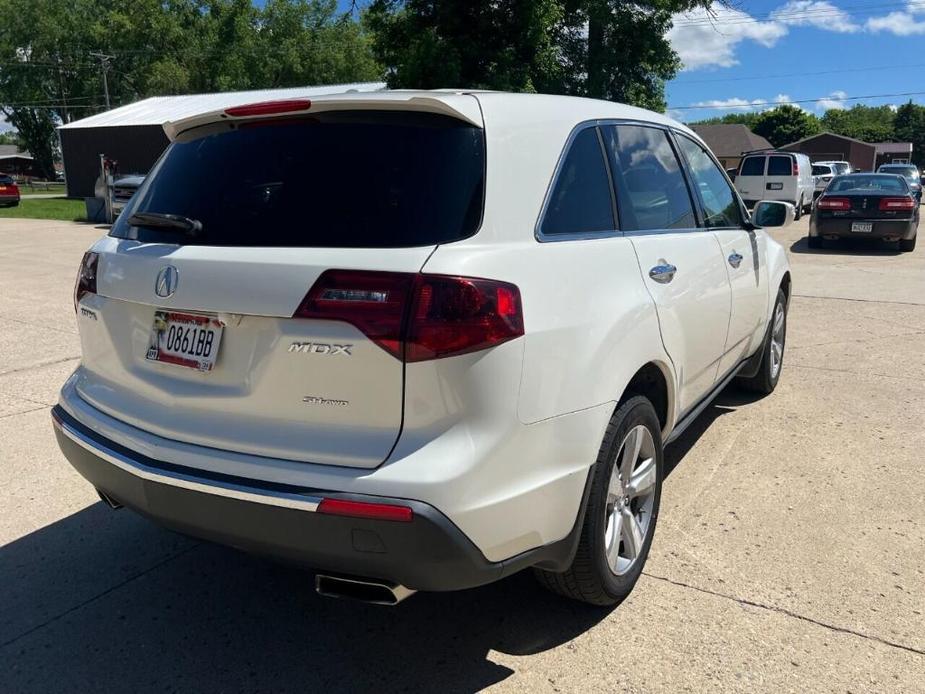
[(789, 556)]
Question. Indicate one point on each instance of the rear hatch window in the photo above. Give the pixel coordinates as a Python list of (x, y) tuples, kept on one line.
[(349, 179), (752, 166), (780, 166)]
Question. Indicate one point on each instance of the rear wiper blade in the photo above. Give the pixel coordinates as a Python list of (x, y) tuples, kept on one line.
[(168, 221)]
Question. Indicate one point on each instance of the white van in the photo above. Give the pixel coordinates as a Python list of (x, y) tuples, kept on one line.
[(784, 176)]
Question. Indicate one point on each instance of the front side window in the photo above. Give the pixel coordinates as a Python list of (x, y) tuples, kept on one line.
[(720, 205), (780, 166), (581, 201), (752, 166), (650, 185)]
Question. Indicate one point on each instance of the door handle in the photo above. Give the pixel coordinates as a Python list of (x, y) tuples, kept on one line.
[(735, 259), (664, 273)]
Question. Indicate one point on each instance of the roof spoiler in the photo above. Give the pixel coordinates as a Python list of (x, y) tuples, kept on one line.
[(456, 105)]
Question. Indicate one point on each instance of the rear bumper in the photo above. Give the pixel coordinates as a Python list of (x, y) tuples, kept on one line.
[(7, 199), (281, 521), (893, 228)]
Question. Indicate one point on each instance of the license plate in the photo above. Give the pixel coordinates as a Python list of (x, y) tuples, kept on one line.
[(862, 227), (775, 186), (185, 339)]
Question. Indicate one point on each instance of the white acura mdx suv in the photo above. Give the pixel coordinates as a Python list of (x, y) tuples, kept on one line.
[(420, 340)]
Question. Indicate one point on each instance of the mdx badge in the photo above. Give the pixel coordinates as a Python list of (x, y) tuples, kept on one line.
[(321, 348)]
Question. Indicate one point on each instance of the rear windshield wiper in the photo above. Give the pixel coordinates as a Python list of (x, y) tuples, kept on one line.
[(167, 221)]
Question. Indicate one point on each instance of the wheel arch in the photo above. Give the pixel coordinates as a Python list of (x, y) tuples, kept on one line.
[(653, 381)]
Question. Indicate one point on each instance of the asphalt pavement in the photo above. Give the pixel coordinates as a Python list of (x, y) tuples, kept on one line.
[(789, 554)]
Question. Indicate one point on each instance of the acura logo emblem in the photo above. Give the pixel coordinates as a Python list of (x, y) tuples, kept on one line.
[(166, 283)]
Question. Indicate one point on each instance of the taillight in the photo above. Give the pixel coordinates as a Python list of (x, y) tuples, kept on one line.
[(86, 277), (417, 317), (894, 204), (794, 169), (458, 315), (374, 302), (825, 203), (364, 509)]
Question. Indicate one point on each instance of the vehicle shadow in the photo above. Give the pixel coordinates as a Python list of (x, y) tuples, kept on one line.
[(105, 601), (847, 247)]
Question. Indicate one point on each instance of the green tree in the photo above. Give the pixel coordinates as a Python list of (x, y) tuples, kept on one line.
[(785, 124), (909, 126), (868, 123), (746, 119), (607, 49)]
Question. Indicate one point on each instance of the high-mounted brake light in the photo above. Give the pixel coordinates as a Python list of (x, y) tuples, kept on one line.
[(895, 204), (86, 277), (417, 317), (268, 108), (364, 509), (833, 203)]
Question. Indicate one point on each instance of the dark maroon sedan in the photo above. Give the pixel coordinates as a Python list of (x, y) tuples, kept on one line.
[(9, 192), (877, 206)]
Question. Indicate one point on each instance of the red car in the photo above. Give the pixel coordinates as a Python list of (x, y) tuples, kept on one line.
[(9, 192)]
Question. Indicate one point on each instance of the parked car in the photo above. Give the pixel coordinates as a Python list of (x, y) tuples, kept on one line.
[(908, 171), (464, 363), (123, 189), (773, 175), (9, 191), (822, 174), (732, 173), (842, 168), (879, 206)]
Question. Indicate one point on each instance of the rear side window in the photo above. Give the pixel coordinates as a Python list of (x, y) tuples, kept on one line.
[(822, 171), (361, 179), (581, 200), (780, 166), (650, 186), (720, 206), (752, 166)]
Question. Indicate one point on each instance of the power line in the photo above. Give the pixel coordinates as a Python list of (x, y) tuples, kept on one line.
[(800, 74), (794, 16), (693, 107)]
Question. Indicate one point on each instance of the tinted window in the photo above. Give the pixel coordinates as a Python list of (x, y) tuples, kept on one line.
[(910, 173), (651, 187), (349, 179), (822, 171), (842, 168), (5, 180), (780, 166), (890, 184), (720, 206), (752, 166), (581, 201)]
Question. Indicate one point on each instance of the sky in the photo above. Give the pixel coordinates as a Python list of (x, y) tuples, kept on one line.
[(818, 53), (778, 51)]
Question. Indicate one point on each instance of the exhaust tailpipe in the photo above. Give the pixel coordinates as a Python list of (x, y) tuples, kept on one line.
[(368, 590), (109, 501)]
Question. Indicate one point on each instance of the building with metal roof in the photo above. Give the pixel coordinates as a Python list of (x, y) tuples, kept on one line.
[(729, 141), (133, 135)]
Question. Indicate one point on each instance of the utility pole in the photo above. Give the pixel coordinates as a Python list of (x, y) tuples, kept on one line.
[(104, 68), (66, 114)]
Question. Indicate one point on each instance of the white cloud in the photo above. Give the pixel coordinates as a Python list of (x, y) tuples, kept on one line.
[(907, 22), (835, 100), (820, 14), (705, 38), (739, 104)]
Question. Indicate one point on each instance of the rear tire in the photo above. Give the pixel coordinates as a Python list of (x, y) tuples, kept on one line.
[(907, 245), (772, 358), (799, 211), (602, 572)]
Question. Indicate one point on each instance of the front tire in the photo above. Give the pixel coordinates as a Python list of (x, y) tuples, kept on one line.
[(622, 510), (772, 358)]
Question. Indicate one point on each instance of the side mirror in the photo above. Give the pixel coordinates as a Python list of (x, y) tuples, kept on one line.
[(770, 213)]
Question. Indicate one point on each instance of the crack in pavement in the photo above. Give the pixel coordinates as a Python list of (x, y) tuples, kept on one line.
[(859, 340), (788, 613), (858, 373), (39, 365), (863, 301), (34, 409), (37, 325), (137, 575)]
